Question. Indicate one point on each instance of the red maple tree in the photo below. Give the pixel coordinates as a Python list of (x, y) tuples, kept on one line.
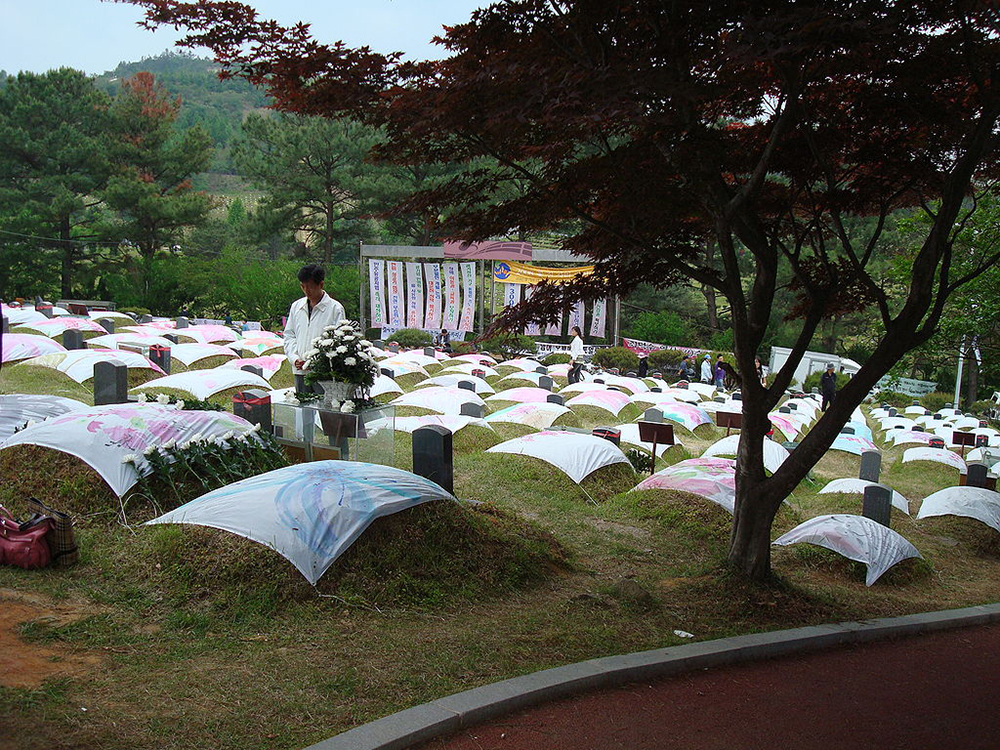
[(761, 127)]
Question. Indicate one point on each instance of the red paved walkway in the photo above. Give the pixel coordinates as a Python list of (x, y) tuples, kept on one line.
[(921, 693)]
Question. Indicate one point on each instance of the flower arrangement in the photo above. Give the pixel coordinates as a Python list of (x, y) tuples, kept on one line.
[(165, 399), (342, 354)]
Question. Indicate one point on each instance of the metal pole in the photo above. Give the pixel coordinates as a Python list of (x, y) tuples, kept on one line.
[(958, 379), (618, 318), (482, 296), (362, 277)]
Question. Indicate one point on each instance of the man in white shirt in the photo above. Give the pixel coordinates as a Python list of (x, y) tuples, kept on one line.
[(307, 318), (706, 369), (575, 373)]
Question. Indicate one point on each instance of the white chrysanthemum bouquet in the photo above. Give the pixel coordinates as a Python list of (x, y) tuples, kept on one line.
[(342, 354)]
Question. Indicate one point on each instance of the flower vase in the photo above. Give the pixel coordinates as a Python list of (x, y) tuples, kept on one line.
[(336, 392)]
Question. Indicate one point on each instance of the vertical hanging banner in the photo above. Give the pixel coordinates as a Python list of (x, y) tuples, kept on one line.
[(376, 292), (532, 329), (414, 296), (394, 285), (599, 319), (555, 329), (511, 294), (468, 297), (451, 303), (576, 317), (432, 273)]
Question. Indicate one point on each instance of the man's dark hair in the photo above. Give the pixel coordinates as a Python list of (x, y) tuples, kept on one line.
[(313, 273)]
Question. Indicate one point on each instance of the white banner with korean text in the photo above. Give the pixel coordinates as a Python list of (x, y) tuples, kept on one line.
[(376, 291), (451, 302), (432, 273), (466, 323), (599, 319), (395, 288), (414, 296)]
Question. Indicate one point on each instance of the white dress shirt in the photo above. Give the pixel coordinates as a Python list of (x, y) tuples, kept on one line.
[(301, 328), (576, 349)]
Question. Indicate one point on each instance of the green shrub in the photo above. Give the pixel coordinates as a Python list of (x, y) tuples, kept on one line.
[(641, 461), (937, 400), (411, 338), (980, 407), (509, 346), (722, 341), (894, 398), (463, 347), (134, 310), (664, 327), (556, 358), (616, 356), (813, 381)]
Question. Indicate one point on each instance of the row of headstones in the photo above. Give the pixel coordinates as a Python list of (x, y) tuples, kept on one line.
[(111, 381)]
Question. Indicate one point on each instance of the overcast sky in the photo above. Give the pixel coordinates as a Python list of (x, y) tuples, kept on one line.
[(95, 36)]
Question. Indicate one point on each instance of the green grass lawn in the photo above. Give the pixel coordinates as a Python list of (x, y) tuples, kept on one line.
[(203, 639)]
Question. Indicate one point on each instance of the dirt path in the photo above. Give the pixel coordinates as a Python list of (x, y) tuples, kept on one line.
[(933, 691)]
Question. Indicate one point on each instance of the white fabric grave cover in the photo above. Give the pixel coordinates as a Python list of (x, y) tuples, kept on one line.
[(101, 436), (532, 414), (704, 390), (466, 368), (188, 354), (452, 381), (856, 538), (853, 444), (901, 437), (610, 401), (18, 346), (57, 326), (849, 486), (712, 478), (774, 453), (632, 385), (531, 377), (669, 395), (940, 455), (439, 398), (18, 408), (522, 395), (572, 453), (972, 502), (452, 422), (582, 388), (109, 315), (203, 383), (383, 385), (114, 340), (18, 316), (209, 334), (528, 365), (79, 363), (914, 410), (411, 358), (269, 365), (309, 513)]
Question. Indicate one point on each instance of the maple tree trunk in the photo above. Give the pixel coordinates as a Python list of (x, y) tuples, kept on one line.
[(712, 305), (328, 238), (750, 539)]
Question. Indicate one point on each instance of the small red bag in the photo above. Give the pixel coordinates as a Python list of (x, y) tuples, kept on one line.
[(24, 545)]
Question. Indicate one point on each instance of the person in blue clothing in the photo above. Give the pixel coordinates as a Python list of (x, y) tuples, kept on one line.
[(720, 373)]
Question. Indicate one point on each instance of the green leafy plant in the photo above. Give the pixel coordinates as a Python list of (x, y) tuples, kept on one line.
[(556, 358), (508, 347), (665, 360), (937, 400), (616, 356), (641, 461), (192, 404)]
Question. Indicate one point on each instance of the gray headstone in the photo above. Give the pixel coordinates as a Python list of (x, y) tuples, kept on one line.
[(599, 380), (719, 399), (815, 391), (846, 430), (145, 318), (429, 351), (478, 374), (541, 370), (546, 382), (652, 415), (472, 409), (467, 385), (784, 410), (608, 433), (380, 343), (976, 476), (171, 337), (182, 322), (45, 310), (258, 371), (658, 375), (893, 412), (107, 324), (681, 385), (160, 356), (615, 371), (388, 372), (393, 346), (110, 383), (555, 398), (656, 389), (432, 455), (938, 416), (73, 339), (792, 406), (254, 405), (877, 504), (632, 374), (6, 325), (737, 396), (871, 466)]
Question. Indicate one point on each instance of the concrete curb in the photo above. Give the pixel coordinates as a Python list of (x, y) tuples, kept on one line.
[(445, 715)]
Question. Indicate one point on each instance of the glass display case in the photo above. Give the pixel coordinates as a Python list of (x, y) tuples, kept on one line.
[(313, 432)]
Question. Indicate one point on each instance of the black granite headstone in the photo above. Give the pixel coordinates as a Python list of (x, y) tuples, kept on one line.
[(652, 415), (393, 347), (430, 351), (846, 430), (784, 410), (160, 356), (976, 476), (432, 455), (73, 339), (656, 389), (478, 374), (110, 383), (737, 396), (877, 504), (541, 370), (658, 375), (608, 433), (171, 337), (555, 398), (546, 382), (254, 405), (467, 385), (893, 412), (871, 465), (145, 318), (472, 409), (258, 371), (107, 324), (182, 322)]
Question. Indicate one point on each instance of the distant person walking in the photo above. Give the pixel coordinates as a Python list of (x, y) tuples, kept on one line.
[(643, 370), (576, 356), (707, 375), (307, 318), (720, 373), (828, 385)]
